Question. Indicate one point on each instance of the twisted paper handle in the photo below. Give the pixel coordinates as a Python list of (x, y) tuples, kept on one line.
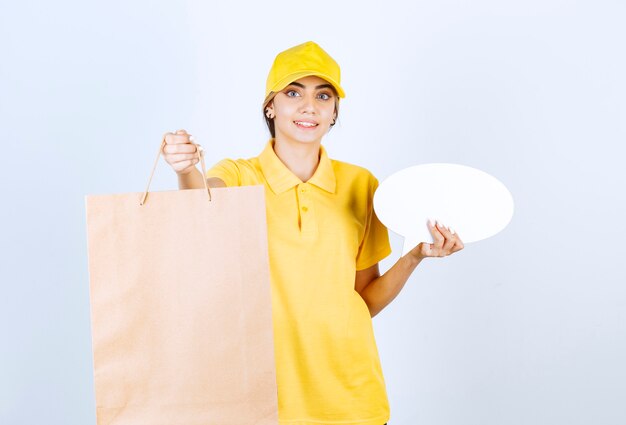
[(200, 152)]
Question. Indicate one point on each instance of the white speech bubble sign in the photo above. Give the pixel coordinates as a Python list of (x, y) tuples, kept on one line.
[(473, 203)]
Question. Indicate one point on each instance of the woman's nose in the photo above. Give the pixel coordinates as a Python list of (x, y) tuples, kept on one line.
[(308, 104)]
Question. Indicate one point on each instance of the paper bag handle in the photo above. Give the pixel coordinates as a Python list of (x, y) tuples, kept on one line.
[(200, 153)]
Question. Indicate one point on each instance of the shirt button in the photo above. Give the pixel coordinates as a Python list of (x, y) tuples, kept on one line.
[(305, 209)]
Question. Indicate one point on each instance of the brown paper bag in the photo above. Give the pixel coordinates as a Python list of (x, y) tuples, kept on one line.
[(181, 307)]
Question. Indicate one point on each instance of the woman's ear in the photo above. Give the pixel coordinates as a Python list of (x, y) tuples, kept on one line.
[(269, 110)]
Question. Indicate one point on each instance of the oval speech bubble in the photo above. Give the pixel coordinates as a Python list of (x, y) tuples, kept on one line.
[(475, 204)]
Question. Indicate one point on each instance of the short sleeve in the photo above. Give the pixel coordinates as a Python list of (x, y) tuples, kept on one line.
[(375, 245), (227, 170)]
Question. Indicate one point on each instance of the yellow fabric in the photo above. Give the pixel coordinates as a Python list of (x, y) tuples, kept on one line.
[(300, 61), (319, 233)]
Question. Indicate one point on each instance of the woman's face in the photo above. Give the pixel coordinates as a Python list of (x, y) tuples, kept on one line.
[(304, 110)]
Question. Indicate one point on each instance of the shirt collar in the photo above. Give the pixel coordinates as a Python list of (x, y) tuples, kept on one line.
[(280, 178)]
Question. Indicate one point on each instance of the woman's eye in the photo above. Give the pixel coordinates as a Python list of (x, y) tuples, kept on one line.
[(325, 96), (291, 91)]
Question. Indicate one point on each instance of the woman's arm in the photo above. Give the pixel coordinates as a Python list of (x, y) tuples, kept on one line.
[(193, 180), (378, 291)]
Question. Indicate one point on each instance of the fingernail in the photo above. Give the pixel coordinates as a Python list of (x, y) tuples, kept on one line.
[(191, 139), (431, 222), (452, 230)]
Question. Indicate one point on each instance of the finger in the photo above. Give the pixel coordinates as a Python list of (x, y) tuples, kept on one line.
[(428, 249), (438, 238), (184, 133), (432, 226), (458, 245), (179, 148), (179, 166), (425, 249), (176, 139), (456, 248), (173, 159), (448, 246), (449, 238)]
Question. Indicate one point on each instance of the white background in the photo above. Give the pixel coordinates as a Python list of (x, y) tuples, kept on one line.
[(527, 327)]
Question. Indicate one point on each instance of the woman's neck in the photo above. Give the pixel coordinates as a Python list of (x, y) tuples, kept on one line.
[(301, 158)]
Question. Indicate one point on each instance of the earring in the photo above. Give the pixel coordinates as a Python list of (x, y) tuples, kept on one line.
[(334, 121), (269, 114)]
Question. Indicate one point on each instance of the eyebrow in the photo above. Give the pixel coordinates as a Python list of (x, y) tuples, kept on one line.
[(321, 86)]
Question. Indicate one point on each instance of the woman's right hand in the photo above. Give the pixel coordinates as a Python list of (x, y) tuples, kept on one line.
[(180, 152)]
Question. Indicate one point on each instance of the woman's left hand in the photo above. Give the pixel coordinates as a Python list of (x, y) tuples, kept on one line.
[(446, 242)]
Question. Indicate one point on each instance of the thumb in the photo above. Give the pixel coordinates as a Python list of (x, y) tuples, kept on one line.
[(426, 248)]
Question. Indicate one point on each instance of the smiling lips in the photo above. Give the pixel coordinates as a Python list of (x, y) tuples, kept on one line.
[(305, 124)]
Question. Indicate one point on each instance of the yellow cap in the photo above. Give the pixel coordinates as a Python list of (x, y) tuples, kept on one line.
[(301, 61)]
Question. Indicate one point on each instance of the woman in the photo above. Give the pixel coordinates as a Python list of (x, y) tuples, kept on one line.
[(325, 243)]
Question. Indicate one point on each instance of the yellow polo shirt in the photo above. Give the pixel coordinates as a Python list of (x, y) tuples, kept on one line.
[(320, 232)]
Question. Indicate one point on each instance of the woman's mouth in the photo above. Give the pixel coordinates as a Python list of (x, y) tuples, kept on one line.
[(305, 125)]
